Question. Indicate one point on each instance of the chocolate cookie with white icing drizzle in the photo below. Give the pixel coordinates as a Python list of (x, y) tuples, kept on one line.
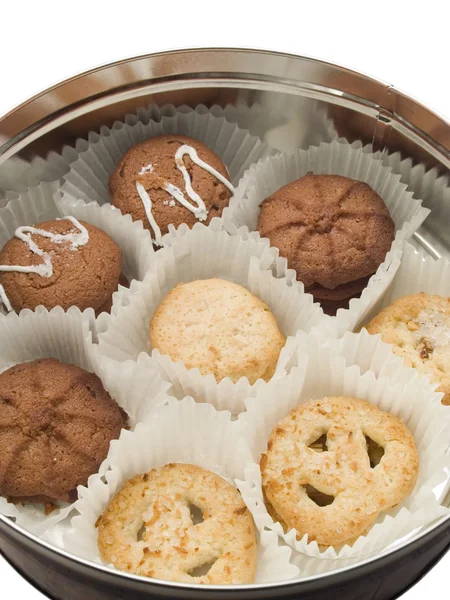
[(64, 262), (170, 180)]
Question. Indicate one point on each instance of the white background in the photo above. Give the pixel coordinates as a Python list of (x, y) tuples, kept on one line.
[(401, 42)]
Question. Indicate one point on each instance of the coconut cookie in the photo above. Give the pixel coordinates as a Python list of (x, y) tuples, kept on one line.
[(180, 523), (218, 327), (64, 262), (170, 180), (418, 327), (332, 465)]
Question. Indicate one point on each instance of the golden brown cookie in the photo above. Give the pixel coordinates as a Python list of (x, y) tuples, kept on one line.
[(56, 424), (218, 327), (84, 275), (153, 164), (176, 521), (321, 476), (418, 327), (333, 231)]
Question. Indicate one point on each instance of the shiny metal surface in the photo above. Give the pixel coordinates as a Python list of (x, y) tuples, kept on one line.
[(302, 101), (208, 75), (68, 578)]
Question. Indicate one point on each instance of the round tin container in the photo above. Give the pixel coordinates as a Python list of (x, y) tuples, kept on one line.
[(291, 90)]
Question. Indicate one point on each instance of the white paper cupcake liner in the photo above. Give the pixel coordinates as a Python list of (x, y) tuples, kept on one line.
[(62, 335), (433, 188), (417, 406), (88, 178), (202, 253), (369, 353), (180, 432), (430, 185), (417, 273), (341, 158), (42, 203), (276, 123), (29, 208), (310, 566), (18, 175)]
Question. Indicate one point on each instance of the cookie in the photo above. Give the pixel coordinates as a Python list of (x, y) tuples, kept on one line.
[(180, 523), (170, 180), (56, 424), (418, 327), (332, 300), (322, 477), (218, 327), (333, 231), (59, 263)]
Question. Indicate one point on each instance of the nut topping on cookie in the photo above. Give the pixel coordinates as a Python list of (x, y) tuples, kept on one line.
[(418, 327)]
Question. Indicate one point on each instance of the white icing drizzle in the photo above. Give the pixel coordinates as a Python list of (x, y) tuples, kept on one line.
[(148, 211), (45, 269), (199, 208)]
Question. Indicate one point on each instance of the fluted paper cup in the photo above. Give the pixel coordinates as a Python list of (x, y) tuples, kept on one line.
[(63, 335), (202, 253), (43, 203), (98, 156), (277, 122), (18, 176), (180, 432), (333, 371), (340, 158), (417, 273)]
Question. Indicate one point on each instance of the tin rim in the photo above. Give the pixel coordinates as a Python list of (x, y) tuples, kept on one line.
[(254, 586), (165, 69)]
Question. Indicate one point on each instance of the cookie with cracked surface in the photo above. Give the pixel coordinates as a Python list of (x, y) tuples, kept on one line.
[(154, 165), (176, 521), (56, 424), (418, 327), (84, 276), (333, 231), (333, 491), (219, 327)]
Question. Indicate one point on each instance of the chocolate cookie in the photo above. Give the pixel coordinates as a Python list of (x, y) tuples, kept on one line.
[(63, 262), (56, 424), (339, 297), (334, 232), (170, 179)]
